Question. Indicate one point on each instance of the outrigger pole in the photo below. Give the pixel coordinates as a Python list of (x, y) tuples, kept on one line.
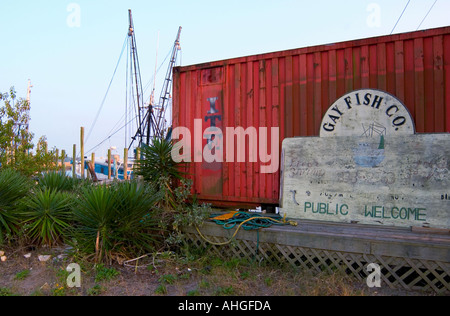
[(150, 125)]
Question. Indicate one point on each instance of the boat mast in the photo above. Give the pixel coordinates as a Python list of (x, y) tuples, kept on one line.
[(151, 125), (136, 77), (29, 102), (166, 90)]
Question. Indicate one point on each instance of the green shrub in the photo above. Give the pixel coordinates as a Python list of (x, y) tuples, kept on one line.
[(156, 162), (56, 181), (94, 217), (159, 169), (13, 187), (115, 220), (138, 225), (47, 215)]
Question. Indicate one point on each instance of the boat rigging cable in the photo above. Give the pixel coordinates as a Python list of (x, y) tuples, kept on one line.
[(107, 91), (147, 123), (135, 73), (111, 135), (401, 15), (167, 87), (155, 125), (427, 15)]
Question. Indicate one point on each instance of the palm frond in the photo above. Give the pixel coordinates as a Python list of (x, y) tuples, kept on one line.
[(13, 187), (47, 215)]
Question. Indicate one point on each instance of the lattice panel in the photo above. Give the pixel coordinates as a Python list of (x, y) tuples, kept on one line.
[(406, 273)]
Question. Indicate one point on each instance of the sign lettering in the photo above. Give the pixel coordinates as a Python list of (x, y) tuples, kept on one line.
[(367, 112)]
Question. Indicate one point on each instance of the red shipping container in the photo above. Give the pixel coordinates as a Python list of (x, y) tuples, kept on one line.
[(292, 90)]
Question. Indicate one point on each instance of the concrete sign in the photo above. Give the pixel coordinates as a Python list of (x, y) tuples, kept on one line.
[(367, 112), (388, 180)]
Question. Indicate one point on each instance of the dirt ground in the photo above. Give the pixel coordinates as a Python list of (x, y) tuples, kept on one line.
[(170, 275), (50, 278)]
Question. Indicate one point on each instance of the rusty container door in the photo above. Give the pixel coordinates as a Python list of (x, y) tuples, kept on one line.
[(292, 90)]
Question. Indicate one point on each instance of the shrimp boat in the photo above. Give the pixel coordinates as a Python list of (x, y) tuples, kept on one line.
[(101, 169), (151, 120), (117, 169)]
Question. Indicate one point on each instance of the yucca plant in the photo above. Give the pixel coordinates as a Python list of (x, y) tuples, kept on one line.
[(94, 215), (115, 220), (159, 169), (56, 181), (13, 187), (47, 215), (138, 226), (156, 162)]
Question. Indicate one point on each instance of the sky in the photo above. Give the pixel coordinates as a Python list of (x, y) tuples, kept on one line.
[(69, 49)]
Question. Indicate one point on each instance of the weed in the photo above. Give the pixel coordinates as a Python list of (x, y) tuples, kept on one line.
[(59, 290), (62, 274), (185, 276), (161, 289), (22, 275), (6, 292), (234, 263), (95, 290), (268, 281), (167, 278), (204, 284), (105, 274), (245, 275), (226, 291), (193, 293)]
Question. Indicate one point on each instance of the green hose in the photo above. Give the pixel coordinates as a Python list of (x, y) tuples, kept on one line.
[(250, 221), (247, 222)]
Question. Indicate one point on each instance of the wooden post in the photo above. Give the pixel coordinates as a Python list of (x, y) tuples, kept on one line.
[(137, 161), (63, 158), (125, 164), (91, 169), (74, 164), (82, 151), (93, 160), (57, 159), (109, 164), (138, 153)]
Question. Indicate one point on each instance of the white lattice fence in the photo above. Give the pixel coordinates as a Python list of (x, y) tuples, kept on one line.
[(397, 272)]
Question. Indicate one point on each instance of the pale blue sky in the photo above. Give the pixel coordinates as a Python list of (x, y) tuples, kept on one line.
[(70, 67)]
